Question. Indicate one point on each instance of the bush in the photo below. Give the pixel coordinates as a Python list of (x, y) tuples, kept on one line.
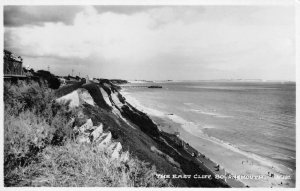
[(24, 136), (53, 82), (32, 120), (26, 96), (34, 97)]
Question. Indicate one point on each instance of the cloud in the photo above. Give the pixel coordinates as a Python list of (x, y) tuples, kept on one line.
[(38, 15), (125, 9), (168, 42)]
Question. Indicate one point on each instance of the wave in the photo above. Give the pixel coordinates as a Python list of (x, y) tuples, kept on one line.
[(188, 103), (214, 114), (282, 157), (195, 130), (186, 125)]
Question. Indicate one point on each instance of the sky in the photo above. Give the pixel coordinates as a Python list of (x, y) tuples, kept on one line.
[(155, 42)]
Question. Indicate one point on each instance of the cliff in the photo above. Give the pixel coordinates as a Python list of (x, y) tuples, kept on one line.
[(134, 130)]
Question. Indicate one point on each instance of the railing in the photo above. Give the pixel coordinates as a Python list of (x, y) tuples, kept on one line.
[(9, 74)]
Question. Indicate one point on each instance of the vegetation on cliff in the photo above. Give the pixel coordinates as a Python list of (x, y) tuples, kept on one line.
[(39, 147)]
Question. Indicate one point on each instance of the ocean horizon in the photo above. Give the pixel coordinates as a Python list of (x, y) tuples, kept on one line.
[(254, 123)]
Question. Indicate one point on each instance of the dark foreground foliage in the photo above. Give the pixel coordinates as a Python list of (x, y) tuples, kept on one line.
[(32, 120)]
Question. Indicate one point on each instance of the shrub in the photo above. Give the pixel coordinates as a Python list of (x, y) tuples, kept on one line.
[(24, 136), (26, 96), (32, 120), (53, 82)]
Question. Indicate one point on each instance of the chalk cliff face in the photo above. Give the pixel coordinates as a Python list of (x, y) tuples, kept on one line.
[(108, 120)]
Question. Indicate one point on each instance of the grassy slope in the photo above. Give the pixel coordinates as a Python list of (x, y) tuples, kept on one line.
[(39, 151)]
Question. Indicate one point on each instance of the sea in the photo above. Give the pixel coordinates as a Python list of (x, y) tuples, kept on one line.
[(254, 118)]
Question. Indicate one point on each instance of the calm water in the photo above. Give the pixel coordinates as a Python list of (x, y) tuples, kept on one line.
[(255, 117)]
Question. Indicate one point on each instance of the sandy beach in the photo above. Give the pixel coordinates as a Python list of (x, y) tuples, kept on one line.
[(235, 164)]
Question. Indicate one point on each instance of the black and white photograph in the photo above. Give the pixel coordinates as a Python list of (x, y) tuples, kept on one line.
[(149, 95)]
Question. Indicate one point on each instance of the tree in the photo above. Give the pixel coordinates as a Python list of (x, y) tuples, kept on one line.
[(53, 81)]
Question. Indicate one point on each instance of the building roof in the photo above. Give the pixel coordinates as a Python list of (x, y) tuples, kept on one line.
[(9, 55)]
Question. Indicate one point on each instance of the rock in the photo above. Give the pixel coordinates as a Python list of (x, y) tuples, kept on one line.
[(83, 139), (100, 138), (88, 125), (97, 132), (124, 156), (77, 97), (116, 152), (111, 147), (73, 97), (105, 141)]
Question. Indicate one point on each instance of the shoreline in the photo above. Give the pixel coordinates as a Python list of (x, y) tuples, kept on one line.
[(234, 161)]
